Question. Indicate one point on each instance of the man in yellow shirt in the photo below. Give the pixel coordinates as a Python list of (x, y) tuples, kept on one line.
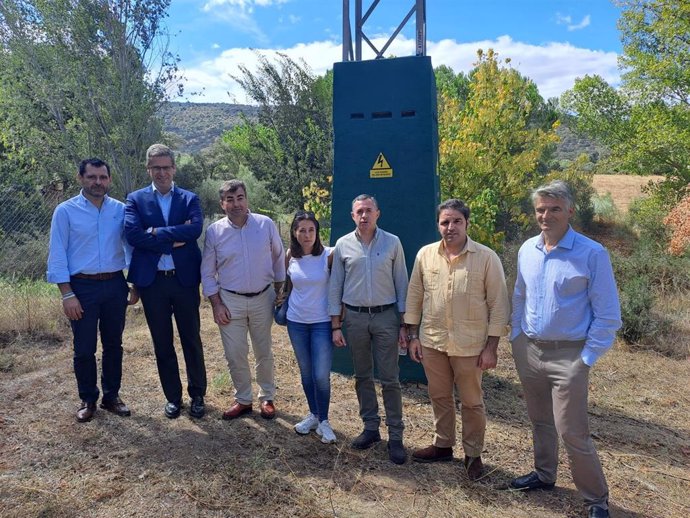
[(458, 294)]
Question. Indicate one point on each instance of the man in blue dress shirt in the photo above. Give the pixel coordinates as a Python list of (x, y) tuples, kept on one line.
[(86, 259), (565, 317)]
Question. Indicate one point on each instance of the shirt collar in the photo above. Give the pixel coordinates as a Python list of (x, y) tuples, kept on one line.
[(567, 241), (246, 223), (156, 191), (83, 199), (470, 246), (376, 234)]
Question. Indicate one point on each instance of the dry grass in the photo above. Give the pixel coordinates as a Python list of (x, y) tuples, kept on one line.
[(147, 465), (623, 188)]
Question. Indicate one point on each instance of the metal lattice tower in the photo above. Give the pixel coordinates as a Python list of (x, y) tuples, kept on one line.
[(349, 54)]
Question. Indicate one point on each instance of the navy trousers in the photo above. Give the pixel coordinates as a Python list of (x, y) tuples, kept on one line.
[(105, 305)]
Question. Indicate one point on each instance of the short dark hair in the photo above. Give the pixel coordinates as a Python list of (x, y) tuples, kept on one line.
[(363, 197), (93, 162), (295, 248), (454, 204), (231, 186)]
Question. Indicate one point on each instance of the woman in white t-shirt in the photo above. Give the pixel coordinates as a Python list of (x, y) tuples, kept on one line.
[(308, 322)]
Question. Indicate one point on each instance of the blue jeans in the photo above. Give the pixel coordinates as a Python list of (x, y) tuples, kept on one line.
[(313, 345)]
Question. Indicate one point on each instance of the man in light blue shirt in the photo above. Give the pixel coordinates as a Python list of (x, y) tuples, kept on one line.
[(565, 317), (86, 258)]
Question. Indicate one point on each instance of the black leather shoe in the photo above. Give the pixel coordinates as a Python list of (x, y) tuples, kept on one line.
[(530, 482), (116, 406), (396, 452), (598, 512), (172, 409), (366, 439), (197, 408)]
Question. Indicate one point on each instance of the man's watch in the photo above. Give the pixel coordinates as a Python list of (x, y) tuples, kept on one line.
[(412, 337)]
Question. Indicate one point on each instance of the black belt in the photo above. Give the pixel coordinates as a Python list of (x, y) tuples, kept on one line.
[(167, 273), (105, 276), (249, 294), (370, 310)]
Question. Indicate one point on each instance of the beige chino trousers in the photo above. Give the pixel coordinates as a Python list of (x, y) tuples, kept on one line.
[(253, 316), (555, 381), (443, 372)]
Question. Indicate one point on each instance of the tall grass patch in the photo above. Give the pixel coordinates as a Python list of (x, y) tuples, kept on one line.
[(30, 306)]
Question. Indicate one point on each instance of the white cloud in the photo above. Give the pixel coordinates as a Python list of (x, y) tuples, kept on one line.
[(239, 15), (294, 19), (568, 21), (552, 66), (215, 46)]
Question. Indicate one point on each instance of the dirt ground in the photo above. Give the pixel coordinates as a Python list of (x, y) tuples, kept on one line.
[(623, 188), (148, 466)]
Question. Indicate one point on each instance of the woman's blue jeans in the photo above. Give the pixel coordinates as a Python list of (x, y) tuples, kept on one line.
[(313, 345)]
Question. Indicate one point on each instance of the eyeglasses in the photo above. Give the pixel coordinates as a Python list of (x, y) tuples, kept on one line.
[(161, 169)]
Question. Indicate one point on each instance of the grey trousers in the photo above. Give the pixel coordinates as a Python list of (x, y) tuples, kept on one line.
[(373, 341), (555, 381)]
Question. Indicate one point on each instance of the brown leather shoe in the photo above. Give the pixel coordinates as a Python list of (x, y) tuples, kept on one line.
[(433, 454), (116, 406), (474, 467), (86, 411), (236, 410), (268, 411)]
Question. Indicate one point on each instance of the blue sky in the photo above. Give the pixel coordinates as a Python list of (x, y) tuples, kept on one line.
[(551, 41)]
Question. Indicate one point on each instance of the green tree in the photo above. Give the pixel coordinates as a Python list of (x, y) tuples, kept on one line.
[(84, 78), (489, 152), (289, 145), (646, 121)]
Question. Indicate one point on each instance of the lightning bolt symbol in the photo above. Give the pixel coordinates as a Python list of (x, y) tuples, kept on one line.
[(380, 160)]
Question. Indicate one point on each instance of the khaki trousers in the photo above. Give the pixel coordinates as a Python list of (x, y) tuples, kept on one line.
[(443, 372), (555, 381), (253, 315)]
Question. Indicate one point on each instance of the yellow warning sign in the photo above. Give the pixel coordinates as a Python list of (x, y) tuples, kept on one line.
[(381, 168)]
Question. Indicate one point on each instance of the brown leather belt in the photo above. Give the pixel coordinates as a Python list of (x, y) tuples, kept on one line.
[(370, 310), (105, 276)]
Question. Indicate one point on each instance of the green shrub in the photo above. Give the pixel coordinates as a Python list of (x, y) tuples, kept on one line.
[(604, 207), (637, 300)]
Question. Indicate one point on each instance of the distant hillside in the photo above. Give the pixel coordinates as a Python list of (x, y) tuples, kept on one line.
[(198, 125), (573, 145)]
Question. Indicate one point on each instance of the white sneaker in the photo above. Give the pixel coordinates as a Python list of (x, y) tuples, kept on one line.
[(325, 431), (306, 425)]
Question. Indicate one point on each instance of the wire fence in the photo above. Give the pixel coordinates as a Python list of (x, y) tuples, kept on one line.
[(27, 302)]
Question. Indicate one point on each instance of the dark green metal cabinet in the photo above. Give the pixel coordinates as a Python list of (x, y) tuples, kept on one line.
[(385, 123)]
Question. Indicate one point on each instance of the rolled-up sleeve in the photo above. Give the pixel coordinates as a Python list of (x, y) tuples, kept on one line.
[(58, 265)]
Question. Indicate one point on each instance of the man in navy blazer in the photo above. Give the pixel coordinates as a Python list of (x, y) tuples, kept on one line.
[(163, 223)]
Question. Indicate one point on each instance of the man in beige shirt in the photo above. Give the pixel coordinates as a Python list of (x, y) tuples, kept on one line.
[(458, 294)]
